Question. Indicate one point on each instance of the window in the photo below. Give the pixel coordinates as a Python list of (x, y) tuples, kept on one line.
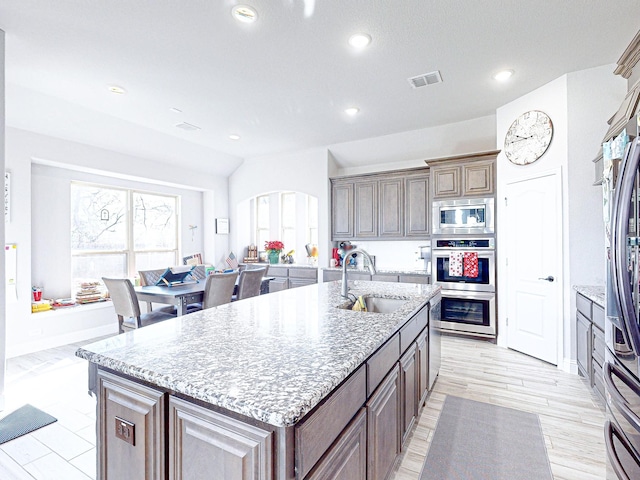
[(288, 220), (116, 232), (291, 217), (262, 221)]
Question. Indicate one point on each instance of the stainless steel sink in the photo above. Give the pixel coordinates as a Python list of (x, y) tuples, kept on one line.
[(379, 304)]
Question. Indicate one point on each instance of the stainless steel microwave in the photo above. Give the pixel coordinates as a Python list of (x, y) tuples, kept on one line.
[(463, 216)]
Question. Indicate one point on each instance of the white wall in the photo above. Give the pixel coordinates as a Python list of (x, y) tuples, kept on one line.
[(579, 105), (3, 336), (304, 171), (28, 332)]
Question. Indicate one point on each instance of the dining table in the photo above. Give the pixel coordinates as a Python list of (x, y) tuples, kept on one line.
[(182, 294)]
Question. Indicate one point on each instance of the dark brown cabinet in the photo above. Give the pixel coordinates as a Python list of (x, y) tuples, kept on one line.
[(422, 345), (393, 205), (417, 206), (464, 176), (347, 458), (409, 391), (342, 210), (366, 211), (391, 208), (383, 427)]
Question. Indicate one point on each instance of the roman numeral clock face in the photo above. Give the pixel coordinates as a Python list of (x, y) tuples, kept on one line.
[(528, 137)]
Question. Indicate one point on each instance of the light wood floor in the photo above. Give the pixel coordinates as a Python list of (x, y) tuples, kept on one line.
[(571, 417), (572, 423)]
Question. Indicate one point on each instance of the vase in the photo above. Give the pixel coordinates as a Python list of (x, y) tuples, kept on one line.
[(274, 257)]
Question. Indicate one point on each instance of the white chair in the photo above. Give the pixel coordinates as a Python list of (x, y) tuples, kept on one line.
[(127, 308), (218, 289)]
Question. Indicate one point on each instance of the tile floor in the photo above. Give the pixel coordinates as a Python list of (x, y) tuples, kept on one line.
[(571, 418)]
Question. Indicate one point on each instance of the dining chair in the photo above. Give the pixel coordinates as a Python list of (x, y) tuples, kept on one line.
[(218, 289), (249, 283), (127, 308)]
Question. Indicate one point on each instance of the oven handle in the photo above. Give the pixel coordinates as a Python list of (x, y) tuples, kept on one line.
[(616, 396), (479, 295), (609, 431)]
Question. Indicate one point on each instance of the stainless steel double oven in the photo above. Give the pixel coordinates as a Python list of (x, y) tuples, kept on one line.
[(468, 298)]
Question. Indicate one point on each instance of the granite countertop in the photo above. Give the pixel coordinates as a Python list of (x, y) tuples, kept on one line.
[(595, 293), (272, 357), (379, 270)]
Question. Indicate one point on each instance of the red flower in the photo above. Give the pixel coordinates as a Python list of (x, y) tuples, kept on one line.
[(275, 245)]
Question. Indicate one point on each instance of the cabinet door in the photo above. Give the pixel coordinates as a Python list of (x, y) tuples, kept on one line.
[(446, 181), (417, 206), (205, 444), (583, 345), (408, 391), (383, 427), (422, 344), (478, 179), (130, 431), (342, 211), (366, 212), (347, 459), (391, 208), (278, 284), (300, 282)]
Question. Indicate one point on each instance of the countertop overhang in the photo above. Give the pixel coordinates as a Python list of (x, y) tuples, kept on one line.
[(273, 357)]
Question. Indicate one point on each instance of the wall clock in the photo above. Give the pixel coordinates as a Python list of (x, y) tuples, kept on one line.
[(528, 137)]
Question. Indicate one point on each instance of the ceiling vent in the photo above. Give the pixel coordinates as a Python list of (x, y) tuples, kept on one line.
[(188, 127), (425, 79)]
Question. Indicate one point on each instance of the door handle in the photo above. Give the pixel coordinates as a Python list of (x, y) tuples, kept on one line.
[(548, 279)]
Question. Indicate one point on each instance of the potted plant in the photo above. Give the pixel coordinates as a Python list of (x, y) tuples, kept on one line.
[(273, 248)]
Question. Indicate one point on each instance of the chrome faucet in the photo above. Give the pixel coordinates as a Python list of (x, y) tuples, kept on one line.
[(372, 269)]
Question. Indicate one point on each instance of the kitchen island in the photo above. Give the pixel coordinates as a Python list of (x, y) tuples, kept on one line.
[(286, 385)]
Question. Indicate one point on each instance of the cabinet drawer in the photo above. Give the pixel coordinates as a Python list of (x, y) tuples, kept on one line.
[(583, 304), (412, 328), (357, 275), (599, 346), (303, 273), (278, 271), (315, 434), (422, 279), (331, 275), (381, 362), (384, 277), (597, 316), (300, 282), (598, 380)]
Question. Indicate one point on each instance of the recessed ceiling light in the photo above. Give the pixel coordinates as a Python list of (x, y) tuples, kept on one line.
[(117, 89), (351, 111), (234, 136), (175, 110), (244, 13), (503, 75), (359, 40), (189, 127)]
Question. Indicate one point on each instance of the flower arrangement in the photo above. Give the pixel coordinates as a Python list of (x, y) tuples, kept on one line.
[(274, 246)]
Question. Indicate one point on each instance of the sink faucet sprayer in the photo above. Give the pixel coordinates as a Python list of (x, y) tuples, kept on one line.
[(344, 292)]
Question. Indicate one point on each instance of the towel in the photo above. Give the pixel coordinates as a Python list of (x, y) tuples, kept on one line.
[(470, 264), (455, 264)]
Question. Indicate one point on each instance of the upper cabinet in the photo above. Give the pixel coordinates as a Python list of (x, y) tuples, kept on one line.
[(392, 205), (464, 176)]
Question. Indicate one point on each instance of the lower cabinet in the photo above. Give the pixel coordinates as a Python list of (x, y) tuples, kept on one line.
[(583, 345), (130, 430), (383, 432), (201, 440), (590, 343), (347, 458), (422, 346), (409, 389)]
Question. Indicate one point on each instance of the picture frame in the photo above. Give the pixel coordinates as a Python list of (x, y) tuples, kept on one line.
[(222, 226)]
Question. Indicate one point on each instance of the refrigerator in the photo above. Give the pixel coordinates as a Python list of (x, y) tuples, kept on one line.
[(622, 325)]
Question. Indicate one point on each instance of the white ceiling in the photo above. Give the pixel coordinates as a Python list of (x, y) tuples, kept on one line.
[(283, 82)]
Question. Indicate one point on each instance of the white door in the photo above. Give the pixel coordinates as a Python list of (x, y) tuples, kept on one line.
[(534, 241)]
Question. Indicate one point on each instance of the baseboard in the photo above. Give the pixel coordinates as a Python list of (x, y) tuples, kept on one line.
[(59, 340), (569, 366)]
